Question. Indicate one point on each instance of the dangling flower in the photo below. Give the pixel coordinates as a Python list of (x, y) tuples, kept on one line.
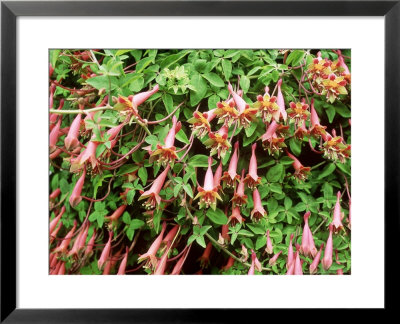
[(290, 252), (307, 241), (258, 211), (226, 112), (218, 142), (160, 269), (298, 270), (336, 219), (271, 141), (269, 249), (179, 264), (239, 198), (171, 234), (281, 101), (217, 176), (209, 193), (76, 197), (272, 261), (106, 252), (205, 257), (327, 259), (122, 266), (117, 214), (229, 264), (153, 194), (346, 72), (130, 104), (89, 154), (335, 149), (244, 253), (252, 179), (301, 131), (56, 219), (254, 264), (267, 107), (315, 263), (200, 122), (62, 248), (246, 114), (301, 173), (298, 112), (71, 140), (223, 237), (235, 216), (229, 178), (54, 134), (316, 128), (334, 86), (150, 255), (167, 153)]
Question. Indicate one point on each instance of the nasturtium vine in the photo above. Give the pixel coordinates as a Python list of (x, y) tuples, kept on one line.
[(200, 161)]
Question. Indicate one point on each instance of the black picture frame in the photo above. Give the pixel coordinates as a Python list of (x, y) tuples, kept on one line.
[(10, 10)]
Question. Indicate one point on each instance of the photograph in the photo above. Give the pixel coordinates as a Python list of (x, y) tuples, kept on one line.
[(199, 161)]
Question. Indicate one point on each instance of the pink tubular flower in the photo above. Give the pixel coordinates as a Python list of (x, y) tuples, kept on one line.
[(205, 257), (327, 260), (281, 101), (106, 252), (229, 264), (153, 194), (90, 245), (55, 194), (337, 220), (171, 234), (71, 141), (150, 255), (254, 264), (301, 131), (229, 178), (307, 241), (239, 198), (117, 214), (271, 141), (217, 176), (267, 107), (54, 134), (122, 266), (258, 211), (53, 234), (67, 239), (272, 261), (161, 266), (315, 263), (56, 219), (338, 271), (209, 193), (53, 117), (218, 142), (179, 264), (226, 112), (316, 128), (246, 114), (301, 172), (76, 197), (290, 252), (252, 179), (200, 122), (269, 248), (89, 154), (235, 217), (131, 103), (297, 266), (167, 153), (83, 236), (224, 236)]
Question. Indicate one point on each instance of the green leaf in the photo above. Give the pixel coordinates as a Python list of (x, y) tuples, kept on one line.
[(172, 59), (250, 130), (245, 83), (330, 112), (127, 168), (345, 167), (199, 160), (217, 216), (256, 228), (213, 100), (54, 56), (177, 188), (168, 102), (143, 64), (275, 173), (181, 136), (342, 110), (103, 81), (227, 69), (295, 57), (200, 241), (327, 170), (188, 190), (261, 242), (199, 89), (142, 173), (295, 146), (214, 79), (64, 186), (245, 233)]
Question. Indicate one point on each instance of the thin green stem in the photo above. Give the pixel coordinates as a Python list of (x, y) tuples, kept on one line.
[(79, 111)]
